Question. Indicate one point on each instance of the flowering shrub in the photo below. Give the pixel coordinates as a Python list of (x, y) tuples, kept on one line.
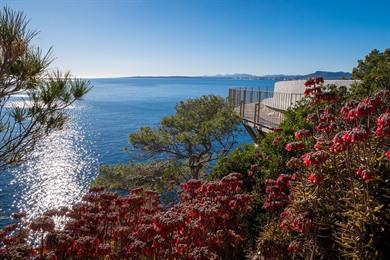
[(336, 203), (278, 191), (244, 160), (295, 146), (207, 224)]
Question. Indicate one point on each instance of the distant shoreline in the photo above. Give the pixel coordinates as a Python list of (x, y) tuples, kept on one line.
[(329, 75)]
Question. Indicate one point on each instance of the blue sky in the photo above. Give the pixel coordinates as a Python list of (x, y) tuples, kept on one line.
[(207, 37)]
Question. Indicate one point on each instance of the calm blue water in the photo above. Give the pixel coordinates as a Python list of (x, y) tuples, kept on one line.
[(66, 162)]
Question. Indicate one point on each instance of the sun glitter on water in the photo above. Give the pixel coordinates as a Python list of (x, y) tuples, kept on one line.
[(59, 171)]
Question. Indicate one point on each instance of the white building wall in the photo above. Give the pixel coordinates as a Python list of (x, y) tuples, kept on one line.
[(298, 86)]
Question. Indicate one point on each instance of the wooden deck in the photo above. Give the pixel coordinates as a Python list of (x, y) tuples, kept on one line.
[(260, 116), (261, 111)]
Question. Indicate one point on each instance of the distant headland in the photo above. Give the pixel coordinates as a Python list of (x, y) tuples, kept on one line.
[(328, 75)]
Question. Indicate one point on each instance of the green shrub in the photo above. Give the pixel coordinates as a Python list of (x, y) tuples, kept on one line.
[(240, 160), (147, 175), (373, 73)]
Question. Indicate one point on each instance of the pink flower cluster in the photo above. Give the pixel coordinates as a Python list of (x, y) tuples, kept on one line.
[(207, 224)]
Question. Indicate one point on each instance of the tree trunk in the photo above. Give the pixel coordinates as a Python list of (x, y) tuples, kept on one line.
[(195, 172), (195, 167)]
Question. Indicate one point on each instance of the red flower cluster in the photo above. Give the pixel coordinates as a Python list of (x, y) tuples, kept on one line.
[(278, 192), (205, 225), (357, 134), (326, 127), (302, 134), (42, 224), (294, 163), (325, 97), (314, 81), (277, 140), (347, 112), (321, 143), (345, 138), (327, 117), (314, 158), (293, 221), (311, 118), (295, 146), (294, 246), (312, 90), (383, 125), (314, 178), (365, 173), (338, 144), (342, 140), (354, 110)]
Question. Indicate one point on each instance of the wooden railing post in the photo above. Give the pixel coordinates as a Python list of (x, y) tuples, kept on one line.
[(255, 114), (243, 107), (259, 106)]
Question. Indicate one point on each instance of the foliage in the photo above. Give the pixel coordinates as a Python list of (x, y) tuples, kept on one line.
[(146, 175), (272, 243), (374, 73), (32, 99), (336, 202), (264, 160), (207, 224), (243, 160), (246, 161), (269, 152), (201, 130)]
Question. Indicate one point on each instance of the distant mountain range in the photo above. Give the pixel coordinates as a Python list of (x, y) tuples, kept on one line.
[(277, 77), (324, 74)]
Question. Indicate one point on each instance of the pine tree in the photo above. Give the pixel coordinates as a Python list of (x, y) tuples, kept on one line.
[(33, 99)]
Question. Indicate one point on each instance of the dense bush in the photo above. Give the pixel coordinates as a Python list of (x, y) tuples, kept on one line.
[(152, 175), (244, 160), (336, 202), (207, 224), (373, 73)]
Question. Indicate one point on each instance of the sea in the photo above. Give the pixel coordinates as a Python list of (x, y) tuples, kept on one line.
[(65, 163)]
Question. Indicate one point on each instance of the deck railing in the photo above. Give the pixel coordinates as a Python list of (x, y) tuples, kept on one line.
[(264, 108)]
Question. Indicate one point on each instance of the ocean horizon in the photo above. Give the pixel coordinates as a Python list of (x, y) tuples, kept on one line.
[(64, 164)]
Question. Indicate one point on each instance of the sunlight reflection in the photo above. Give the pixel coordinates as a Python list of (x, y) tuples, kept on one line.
[(59, 171)]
